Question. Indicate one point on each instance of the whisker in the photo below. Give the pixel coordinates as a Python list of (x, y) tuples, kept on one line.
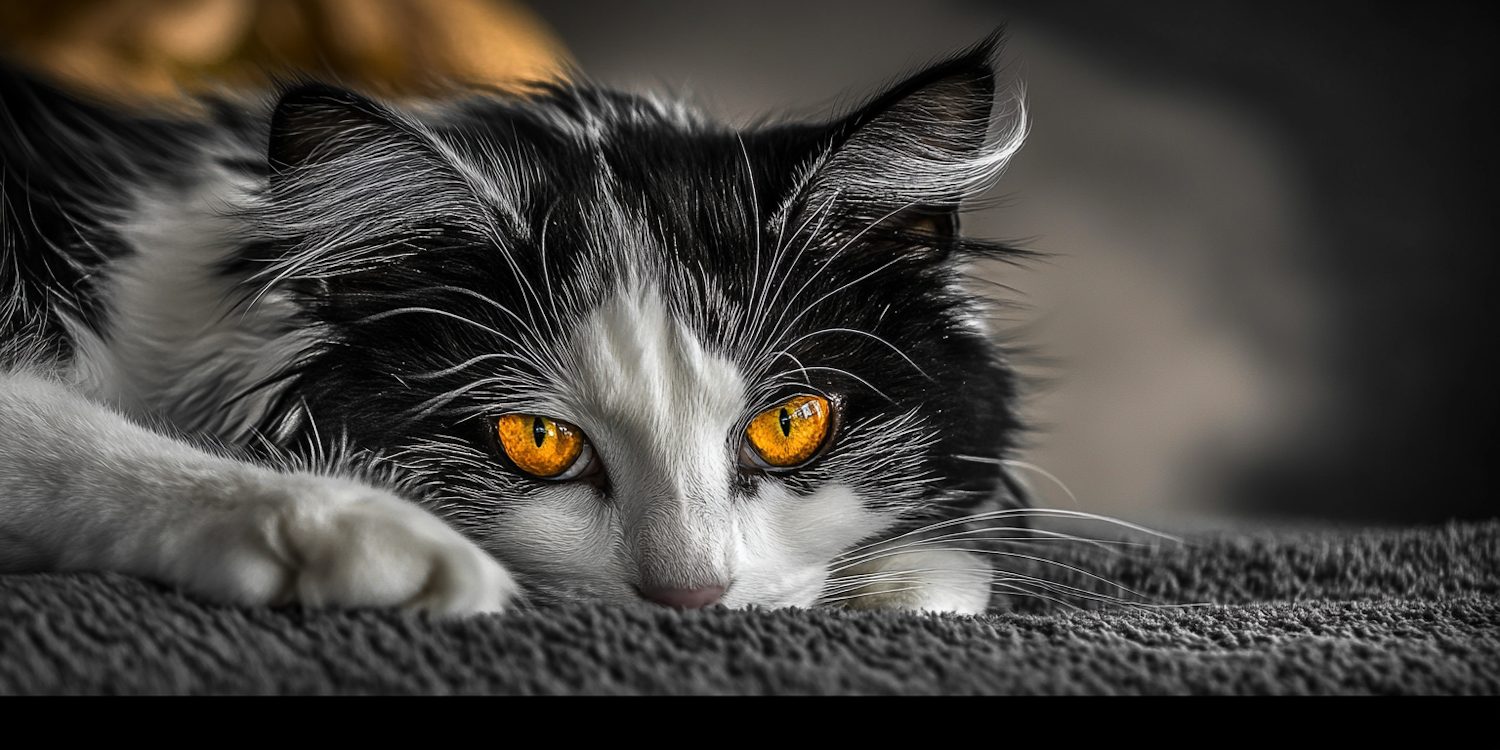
[(1014, 464), (1046, 562), (840, 588), (1021, 585), (780, 321), (804, 369), (1020, 513), (975, 535), (1017, 583), (754, 203), (766, 305), (437, 402), (888, 344), (1004, 586), (463, 366), (916, 586), (546, 275)]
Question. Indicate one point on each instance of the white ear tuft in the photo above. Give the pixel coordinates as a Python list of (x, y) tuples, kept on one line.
[(929, 142)]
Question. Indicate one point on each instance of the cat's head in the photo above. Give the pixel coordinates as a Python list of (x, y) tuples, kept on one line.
[(636, 354)]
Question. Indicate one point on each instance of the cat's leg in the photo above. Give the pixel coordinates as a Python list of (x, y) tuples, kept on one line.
[(921, 581), (82, 488)]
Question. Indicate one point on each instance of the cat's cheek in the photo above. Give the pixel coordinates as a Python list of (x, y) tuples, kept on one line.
[(565, 538), (789, 545), (320, 541)]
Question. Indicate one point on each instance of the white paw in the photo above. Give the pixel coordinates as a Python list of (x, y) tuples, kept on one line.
[(935, 581), (322, 542)]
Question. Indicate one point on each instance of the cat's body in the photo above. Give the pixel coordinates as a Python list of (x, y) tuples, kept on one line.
[(621, 352)]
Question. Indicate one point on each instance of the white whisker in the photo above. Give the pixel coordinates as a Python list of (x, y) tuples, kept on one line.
[(460, 367), (857, 332), (805, 369)]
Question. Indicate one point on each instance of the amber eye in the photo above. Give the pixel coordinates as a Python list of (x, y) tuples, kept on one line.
[(542, 447), (789, 434)]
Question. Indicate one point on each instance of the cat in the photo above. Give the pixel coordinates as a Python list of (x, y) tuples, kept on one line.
[(461, 355)]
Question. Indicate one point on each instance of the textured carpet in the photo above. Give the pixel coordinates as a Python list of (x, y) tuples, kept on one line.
[(1277, 610)]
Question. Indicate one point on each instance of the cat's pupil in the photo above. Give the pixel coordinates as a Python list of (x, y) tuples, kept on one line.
[(539, 431), (786, 423)]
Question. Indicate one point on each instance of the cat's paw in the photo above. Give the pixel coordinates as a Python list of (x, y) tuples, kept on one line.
[(325, 542), (928, 581)]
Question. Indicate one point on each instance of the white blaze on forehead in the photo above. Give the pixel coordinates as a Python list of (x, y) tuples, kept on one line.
[(635, 365), (661, 410)]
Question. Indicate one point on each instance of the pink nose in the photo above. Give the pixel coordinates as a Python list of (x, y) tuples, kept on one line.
[(684, 598)]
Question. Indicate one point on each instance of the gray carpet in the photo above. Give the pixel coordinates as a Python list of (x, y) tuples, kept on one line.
[(1281, 610)]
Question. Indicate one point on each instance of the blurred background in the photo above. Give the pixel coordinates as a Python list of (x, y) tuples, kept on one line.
[(1268, 227)]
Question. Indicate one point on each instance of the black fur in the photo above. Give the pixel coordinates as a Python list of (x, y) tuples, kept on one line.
[(514, 217)]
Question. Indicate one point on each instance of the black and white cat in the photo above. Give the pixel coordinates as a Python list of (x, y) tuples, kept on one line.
[(574, 344)]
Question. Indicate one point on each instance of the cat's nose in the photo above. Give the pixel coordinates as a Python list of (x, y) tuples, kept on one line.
[(683, 598)]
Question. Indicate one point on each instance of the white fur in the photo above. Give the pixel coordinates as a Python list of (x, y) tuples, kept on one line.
[(87, 489), (926, 581), (184, 347), (664, 414)]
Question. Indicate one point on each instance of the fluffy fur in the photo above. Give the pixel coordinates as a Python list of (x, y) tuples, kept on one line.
[(261, 354)]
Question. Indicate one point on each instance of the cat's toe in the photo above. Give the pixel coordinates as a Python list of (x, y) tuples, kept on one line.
[(326, 542)]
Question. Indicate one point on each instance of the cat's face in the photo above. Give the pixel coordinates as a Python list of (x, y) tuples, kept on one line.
[(631, 353)]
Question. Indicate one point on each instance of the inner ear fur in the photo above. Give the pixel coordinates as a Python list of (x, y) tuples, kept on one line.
[(907, 159)]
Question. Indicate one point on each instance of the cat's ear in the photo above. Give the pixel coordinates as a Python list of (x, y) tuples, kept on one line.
[(352, 184), (907, 159)]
